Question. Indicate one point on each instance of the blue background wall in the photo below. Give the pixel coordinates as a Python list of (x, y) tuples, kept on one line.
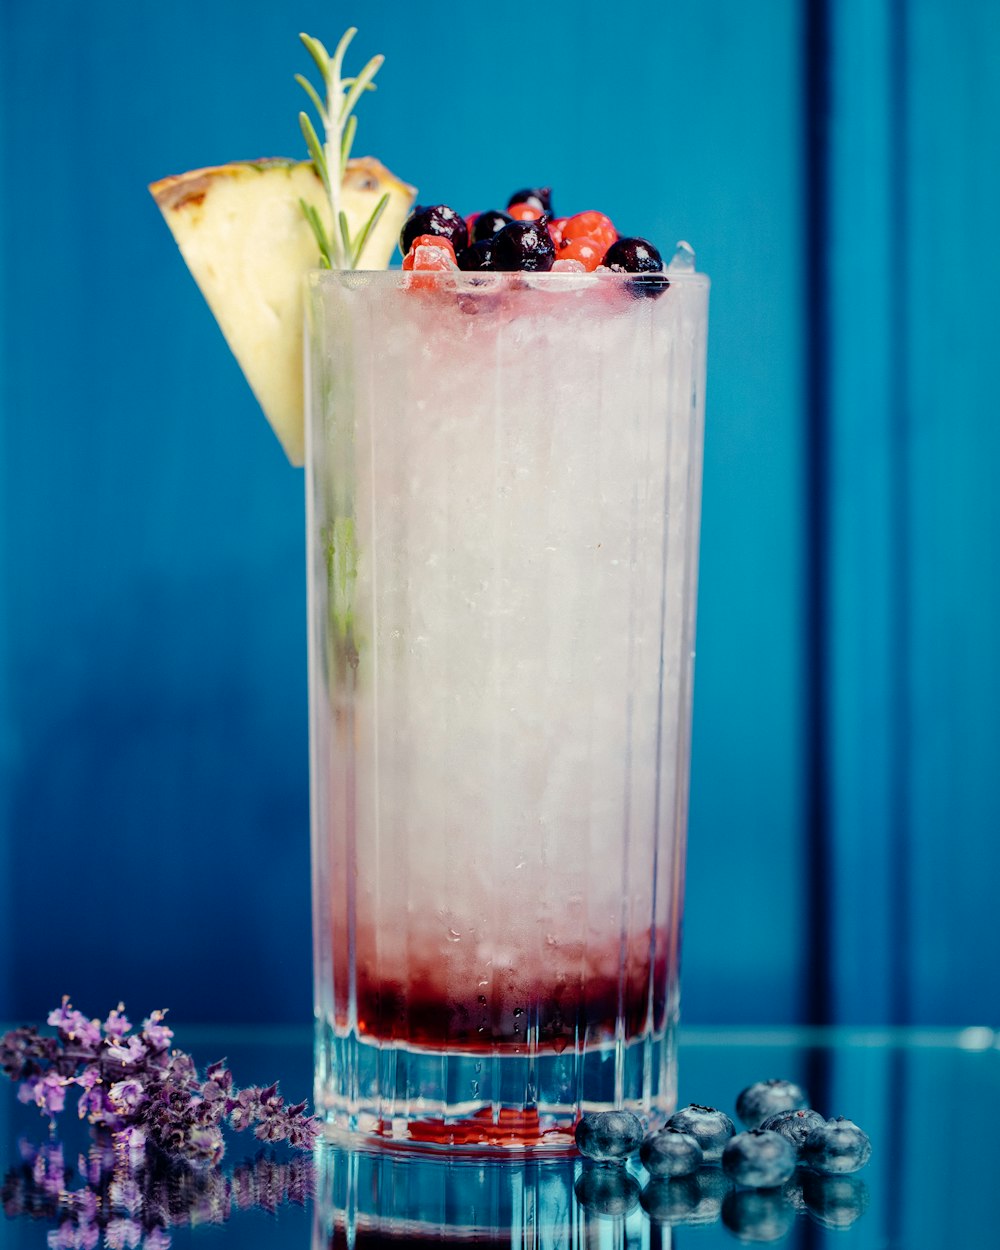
[(835, 166)]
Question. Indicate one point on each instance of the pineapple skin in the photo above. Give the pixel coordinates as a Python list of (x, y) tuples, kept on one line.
[(243, 236)]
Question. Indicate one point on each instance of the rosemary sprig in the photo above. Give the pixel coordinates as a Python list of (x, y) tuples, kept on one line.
[(335, 108)]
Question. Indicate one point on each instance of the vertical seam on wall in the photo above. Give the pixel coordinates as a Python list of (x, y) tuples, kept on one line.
[(816, 241), (899, 999)]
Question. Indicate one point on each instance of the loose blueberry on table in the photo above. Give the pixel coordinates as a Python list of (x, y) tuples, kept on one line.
[(710, 1127), (671, 1152), (759, 1158), (609, 1136), (836, 1147), (763, 1099), (794, 1126)]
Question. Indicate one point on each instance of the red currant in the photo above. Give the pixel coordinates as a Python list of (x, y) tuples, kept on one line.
[(590, 225), (524, 212), (556, 230), (589, 252)]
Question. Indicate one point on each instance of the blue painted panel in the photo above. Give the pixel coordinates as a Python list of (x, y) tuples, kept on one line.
[(866, 490), (151, 533), (915, 513), (953, 190)]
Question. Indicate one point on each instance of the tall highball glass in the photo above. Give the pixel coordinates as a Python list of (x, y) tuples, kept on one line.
[(503, 482)]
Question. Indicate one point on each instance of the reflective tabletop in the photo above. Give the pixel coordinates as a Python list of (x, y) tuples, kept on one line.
[(930, 1101)]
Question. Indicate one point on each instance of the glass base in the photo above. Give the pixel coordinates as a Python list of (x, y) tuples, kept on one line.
[(389, 1095)]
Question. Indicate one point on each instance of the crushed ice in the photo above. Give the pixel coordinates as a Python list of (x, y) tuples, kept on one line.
[(682, 260)]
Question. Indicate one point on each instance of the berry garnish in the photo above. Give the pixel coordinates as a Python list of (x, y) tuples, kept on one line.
[(477, 256), (759, 1158), (524, 245), (568, 266), (540, 197), (710, 1127), (437, 219), (609, 1136), (638, 256), (794, 1126), (836, 1147), (488, 224), (525, 212), (556, 230), (589, 252), (763, 1098), (670, 1152), (590, 225)]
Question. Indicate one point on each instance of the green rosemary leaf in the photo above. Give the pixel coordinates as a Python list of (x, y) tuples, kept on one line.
[(346, 143), (360, 83), (367, 228), (313, 95), (315, 148), (318, 53), (345, 233), (332, 74), (312, 217)]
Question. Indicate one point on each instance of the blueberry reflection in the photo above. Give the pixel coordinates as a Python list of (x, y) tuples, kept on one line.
[(834, 1201), (607, 1189), (758, 1215)]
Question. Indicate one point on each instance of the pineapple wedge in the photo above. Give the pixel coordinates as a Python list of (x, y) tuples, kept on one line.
[(241, 231)]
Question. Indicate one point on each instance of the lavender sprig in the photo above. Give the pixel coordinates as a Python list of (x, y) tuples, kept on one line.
[(141, 1091)]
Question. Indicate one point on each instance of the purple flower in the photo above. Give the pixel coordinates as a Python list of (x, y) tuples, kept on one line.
[(74, 1024), (48, 1092), (206, 1143), (117, 1023), (121, 1233), (128, 1052), (155, 1032), (126, 1096), (65, 1237), (157, 1240)]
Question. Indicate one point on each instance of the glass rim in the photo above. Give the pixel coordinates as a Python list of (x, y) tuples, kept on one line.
[(516, 279)]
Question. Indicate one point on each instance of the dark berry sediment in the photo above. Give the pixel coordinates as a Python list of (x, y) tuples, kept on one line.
[(436, 1004)]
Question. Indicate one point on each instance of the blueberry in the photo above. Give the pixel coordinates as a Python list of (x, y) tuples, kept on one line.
[(524, 245), (488, 224), (671, 1199), (609, 1135), (670, 1152), (437, 219), (766, 1098), (836, 1147), (794, 1126), (759, 1158), (539, 197), (605, 1190), (834, 1201), (757, 1215), (478, 256), (710, 1127), (638, 256)]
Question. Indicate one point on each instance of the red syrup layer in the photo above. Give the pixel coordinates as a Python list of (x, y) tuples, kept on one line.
[(444, 1004)]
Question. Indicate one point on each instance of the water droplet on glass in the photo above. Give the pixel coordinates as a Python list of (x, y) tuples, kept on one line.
[(453, 936), (682, 260), (518, 1011), (481, 999)]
